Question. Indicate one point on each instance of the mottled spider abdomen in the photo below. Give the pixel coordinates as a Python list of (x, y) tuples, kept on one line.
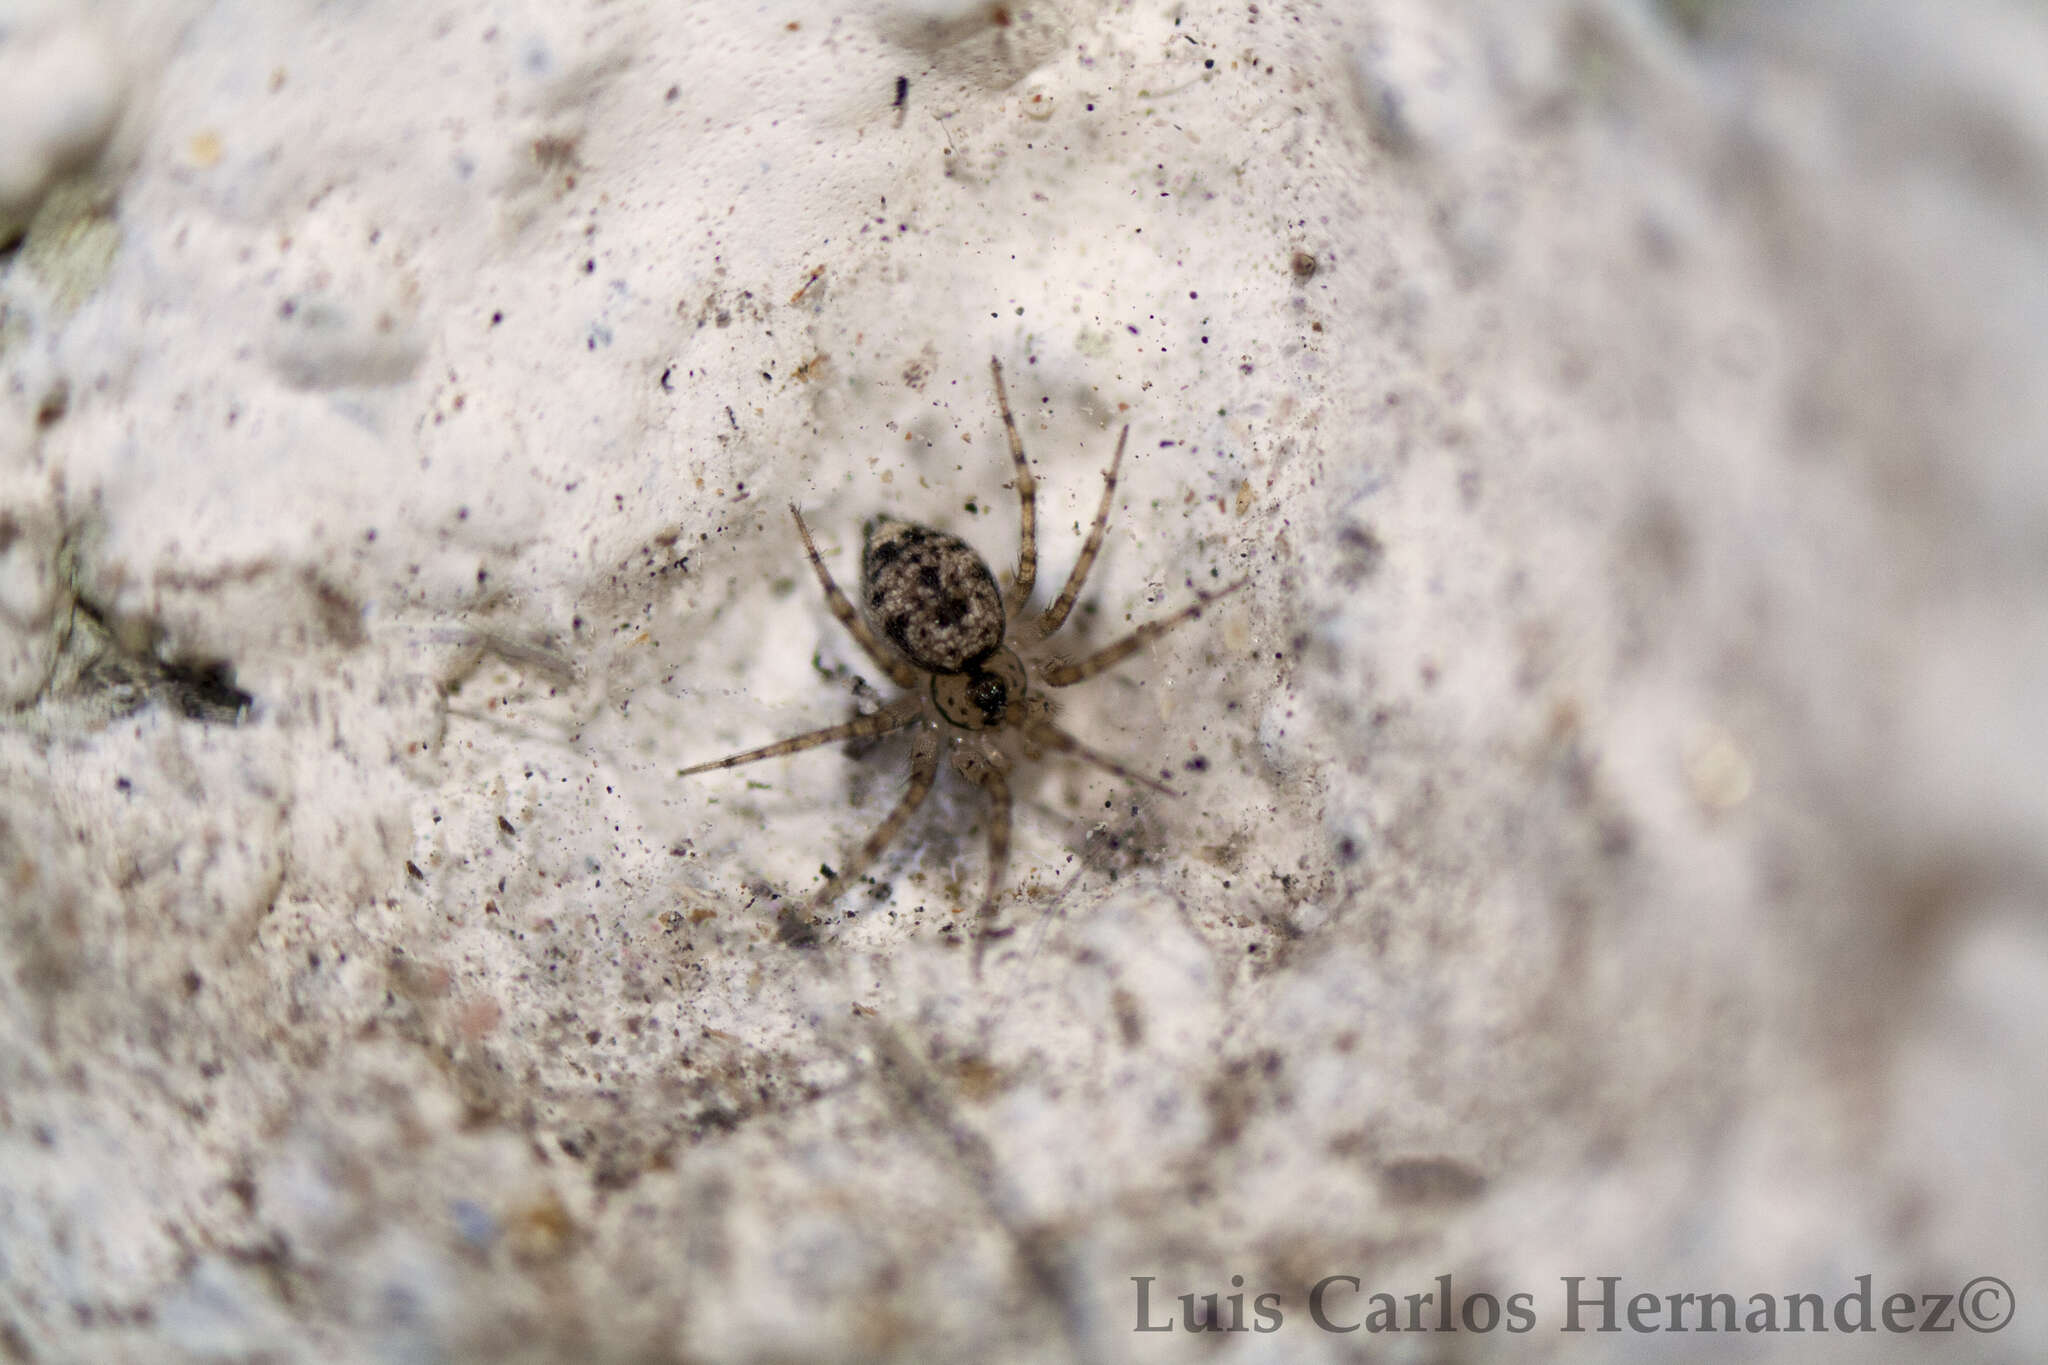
[(930, 595)]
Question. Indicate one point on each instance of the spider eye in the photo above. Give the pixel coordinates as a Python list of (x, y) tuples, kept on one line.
[(989, 696)]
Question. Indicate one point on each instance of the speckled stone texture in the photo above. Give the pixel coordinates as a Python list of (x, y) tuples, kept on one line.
[(1613, 842)]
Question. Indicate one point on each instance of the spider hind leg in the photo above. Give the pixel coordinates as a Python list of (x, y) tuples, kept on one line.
[(1027, 501), (1065, 674)]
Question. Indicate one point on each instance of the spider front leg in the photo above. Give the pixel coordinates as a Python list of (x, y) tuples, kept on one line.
[(985, 769), (1049, 736), (894, 716), (924, 770)]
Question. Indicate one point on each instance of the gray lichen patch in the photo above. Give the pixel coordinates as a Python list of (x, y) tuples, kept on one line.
[(71, 242)]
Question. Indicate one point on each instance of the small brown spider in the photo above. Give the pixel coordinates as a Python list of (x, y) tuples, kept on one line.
[(936, 602)]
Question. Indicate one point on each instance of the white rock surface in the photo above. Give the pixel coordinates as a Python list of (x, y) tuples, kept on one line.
[(1613, 841), (60, 92)]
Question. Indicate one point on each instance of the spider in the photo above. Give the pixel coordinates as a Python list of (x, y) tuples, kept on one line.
[(954, 642)]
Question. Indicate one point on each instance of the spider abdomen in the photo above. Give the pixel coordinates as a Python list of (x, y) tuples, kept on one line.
[(930, 595)]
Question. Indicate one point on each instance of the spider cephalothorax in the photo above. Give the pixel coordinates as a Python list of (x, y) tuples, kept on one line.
[(953, 642)]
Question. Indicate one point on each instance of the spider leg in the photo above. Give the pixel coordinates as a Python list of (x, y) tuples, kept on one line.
[(894, 716), (1027, 499), (1050, 736), (900, 672), (924, 770), (1067, 674), (989, 777), (1055, 615)]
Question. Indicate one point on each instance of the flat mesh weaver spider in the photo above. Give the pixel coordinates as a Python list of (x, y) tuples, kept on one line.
[(933, 599)]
